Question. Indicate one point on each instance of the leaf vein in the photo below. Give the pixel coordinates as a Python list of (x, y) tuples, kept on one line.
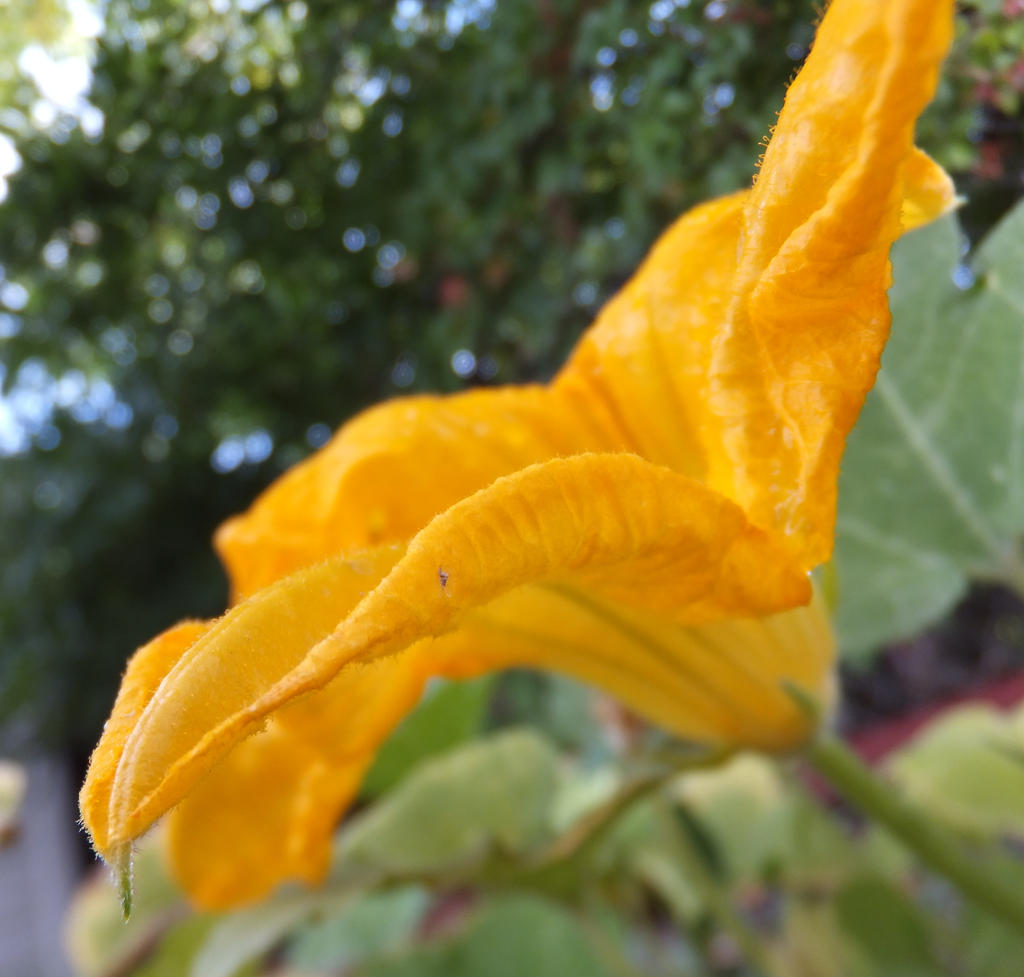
[(938, 467)]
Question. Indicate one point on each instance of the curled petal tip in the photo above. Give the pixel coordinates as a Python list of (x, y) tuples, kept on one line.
[(928, 192)]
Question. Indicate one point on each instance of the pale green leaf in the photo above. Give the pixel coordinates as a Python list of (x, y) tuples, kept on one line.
[(369, 925), (932, 489), (967, 768), (643, 847), (325, 923), (491, 797), (989, 947), (450, 713), (795, 839), (811, 939), (241, 937), (513, 936), (883, 931), (727, 800), (177, 949)]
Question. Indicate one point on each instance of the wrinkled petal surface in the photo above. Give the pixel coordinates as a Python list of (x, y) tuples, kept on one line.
[(809, 316), (644, 363), (390, 470)]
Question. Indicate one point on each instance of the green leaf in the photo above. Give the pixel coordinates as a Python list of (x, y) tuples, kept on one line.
[(368, 926), (503, 811), (885, 931), (509, 937), (727, 800), (968, 769), (491, 797), (327, 928), (988, 947), (176, 951), (241, 937), (642, 847), (811, 939), (451, 713), (795, 838), (932, 489)]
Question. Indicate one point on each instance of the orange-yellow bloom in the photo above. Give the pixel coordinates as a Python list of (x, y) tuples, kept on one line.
[(645, 522)]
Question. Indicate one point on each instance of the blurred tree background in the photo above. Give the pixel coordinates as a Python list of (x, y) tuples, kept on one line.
[(261, 217)]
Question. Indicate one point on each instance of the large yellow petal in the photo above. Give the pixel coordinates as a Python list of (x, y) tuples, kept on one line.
[(264, 815), (301, 772), (613, 527), (645, 361), (391, 469), (809, 318), (309, 609), (720, 683)]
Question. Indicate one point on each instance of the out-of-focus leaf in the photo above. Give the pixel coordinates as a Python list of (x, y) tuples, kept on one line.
[(642, 848), (811, 940), (243, 936), (932, 490), (867, 929), (368, 926), (324, 927), (968, 769), (505, 811), (989, 7), (743, 807), (511, 936), (988, 946), (884, 932), (450, 714), (500, 811), (564, 709), (492, 797), (886, 856), (98, 939), (818, 852), (762, 823), (177, 950)]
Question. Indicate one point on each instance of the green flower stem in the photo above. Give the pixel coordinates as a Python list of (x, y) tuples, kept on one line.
[(939, 849)]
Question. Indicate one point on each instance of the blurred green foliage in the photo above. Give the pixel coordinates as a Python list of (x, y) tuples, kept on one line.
[(291, 210)]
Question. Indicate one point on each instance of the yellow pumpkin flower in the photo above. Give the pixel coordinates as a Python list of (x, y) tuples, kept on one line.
[(645, 522)]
